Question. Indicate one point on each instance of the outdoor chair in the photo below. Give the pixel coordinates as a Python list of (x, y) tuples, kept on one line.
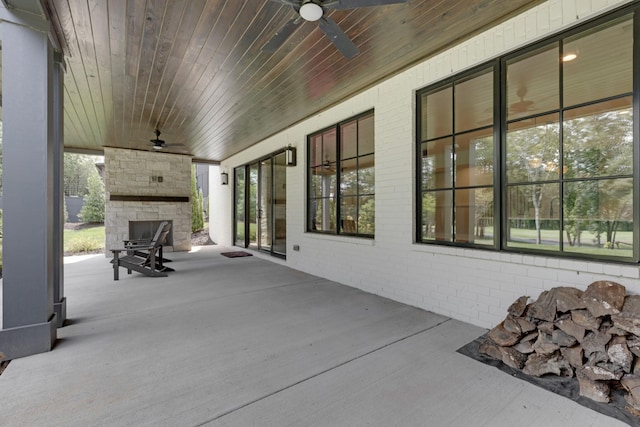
[(139, 247), (144, 255)]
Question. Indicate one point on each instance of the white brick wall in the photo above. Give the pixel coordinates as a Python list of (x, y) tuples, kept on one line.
[(129, 172), (471, 285)]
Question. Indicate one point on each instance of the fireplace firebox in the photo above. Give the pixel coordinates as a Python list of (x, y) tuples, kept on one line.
[(146, 230)]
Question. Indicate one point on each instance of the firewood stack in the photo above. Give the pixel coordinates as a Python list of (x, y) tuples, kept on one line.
[(594, 335)]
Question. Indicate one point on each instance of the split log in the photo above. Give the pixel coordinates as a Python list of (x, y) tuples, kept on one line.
[(538, 365), (619, 353), (598, 391), (570, 327), (604, 298), (518, 307), (631, 383), (502, 337), (586, 319), (601, 372), (544, 308), (545, 345), (573, 355), (568, 299)]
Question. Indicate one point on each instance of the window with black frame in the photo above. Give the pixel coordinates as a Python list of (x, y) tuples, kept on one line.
[(457, 156), (341, 178), (566, 146)]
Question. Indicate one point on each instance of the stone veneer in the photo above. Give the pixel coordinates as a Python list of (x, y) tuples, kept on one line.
[(134, 173)]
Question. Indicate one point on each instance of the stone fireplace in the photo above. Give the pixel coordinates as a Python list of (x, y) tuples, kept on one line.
[(144, 188)]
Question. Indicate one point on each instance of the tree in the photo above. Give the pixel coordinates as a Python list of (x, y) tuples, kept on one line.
[(77, 170), (533, 158), (598, 146), (197, 215), (590, 187), (93, 208)]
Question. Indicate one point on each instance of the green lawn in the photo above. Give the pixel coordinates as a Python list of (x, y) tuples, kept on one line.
[(525, 238), (89, 238), (252, 230)]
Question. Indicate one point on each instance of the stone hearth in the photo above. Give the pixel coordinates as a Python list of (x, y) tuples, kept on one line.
[(147, 186)]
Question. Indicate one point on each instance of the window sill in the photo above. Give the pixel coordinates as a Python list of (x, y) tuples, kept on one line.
[(342, 238)]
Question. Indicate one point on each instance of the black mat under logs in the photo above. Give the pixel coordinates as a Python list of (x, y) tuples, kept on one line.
[(567, 387)]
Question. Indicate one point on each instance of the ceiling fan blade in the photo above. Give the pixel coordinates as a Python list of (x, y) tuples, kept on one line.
[(353, 4), (294, 3), (338, 37), (281, 36)]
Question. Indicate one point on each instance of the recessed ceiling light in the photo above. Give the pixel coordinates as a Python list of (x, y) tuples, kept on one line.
[(569, 57)]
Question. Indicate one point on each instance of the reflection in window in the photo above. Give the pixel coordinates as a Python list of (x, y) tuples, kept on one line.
[(341, 178), (598, 63), (569, 186), (457, 167), (567, 150)]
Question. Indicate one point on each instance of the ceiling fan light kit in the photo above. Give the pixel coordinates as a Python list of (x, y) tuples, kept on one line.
[(311, 12), (159, 145)]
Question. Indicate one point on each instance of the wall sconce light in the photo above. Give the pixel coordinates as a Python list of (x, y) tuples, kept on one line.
[(224, 178), (290, 155)]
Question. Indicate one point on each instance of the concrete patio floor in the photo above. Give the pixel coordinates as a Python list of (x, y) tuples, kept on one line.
[(250, 342)]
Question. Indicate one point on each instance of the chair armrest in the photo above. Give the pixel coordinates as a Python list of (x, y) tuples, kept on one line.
[(137, 243)]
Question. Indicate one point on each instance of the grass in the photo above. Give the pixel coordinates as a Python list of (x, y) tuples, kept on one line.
[(86, 239), (525, 238), (252, 229)]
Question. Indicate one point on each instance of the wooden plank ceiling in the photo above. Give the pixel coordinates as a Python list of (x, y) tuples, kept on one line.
[(195, 70)]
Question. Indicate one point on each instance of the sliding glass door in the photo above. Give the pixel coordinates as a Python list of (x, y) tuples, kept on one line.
[(252, 206), (261, 205), (279, 206), (240, 199), (265, 201)]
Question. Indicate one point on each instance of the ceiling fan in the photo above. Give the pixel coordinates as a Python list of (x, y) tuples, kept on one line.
[(159, 144), (521, 107), (315, 11)]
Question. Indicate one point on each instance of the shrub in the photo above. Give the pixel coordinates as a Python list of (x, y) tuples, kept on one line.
[(83, 244), (93, 208), (197, 216)]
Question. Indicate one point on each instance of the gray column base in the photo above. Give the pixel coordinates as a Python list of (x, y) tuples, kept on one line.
[(60, 309), (27, 340)]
